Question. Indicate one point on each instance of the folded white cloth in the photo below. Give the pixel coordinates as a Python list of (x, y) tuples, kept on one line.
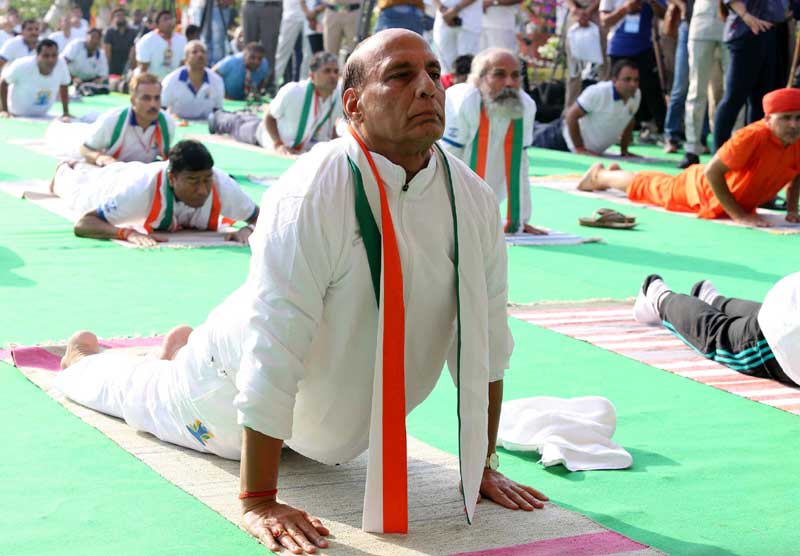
[(575, 432), (584, 43)]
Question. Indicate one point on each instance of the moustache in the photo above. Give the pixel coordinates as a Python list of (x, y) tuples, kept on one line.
[(507, 93)]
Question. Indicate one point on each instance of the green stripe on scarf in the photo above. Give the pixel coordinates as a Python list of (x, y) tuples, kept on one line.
[(118, 128), (514, 177), (301, 128), (169, 196), (369, 230)]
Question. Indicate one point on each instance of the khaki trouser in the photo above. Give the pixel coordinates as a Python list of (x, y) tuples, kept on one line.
[(339, 31), (708, 61)]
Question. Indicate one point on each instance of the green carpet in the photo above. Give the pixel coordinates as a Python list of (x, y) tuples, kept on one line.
[(712, 471)]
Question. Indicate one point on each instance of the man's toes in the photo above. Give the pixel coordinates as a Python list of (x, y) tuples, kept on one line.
[(175, 340), (80, 345)]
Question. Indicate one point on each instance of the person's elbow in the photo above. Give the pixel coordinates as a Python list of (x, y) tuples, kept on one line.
[(83, 226)]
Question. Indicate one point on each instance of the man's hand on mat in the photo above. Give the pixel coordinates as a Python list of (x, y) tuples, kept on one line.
[(500, 489), (793, 217), (277, 525), (65, 117), (5, 114), (585, 151), (528, 229), (242, 235), (145, 240), (753, 220)]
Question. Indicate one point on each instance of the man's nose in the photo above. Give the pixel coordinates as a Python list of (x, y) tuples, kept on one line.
[(427, 85)]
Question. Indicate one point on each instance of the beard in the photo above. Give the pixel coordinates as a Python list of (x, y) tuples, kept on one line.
[(505, 104)]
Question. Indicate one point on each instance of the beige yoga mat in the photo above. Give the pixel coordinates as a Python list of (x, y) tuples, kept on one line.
[(38, 193), (569, 184), (335, 493), (553, 237)]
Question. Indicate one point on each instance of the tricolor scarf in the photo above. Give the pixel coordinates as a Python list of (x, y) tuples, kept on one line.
[(161, 207), (513, 164), (301, 137), (386, 496), (161, 134)]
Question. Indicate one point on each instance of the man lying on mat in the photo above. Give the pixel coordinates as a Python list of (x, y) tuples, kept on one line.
[(141, 132), (603, 115), (756, 339), (377, 257), (747, 171), (489, 124), (186, 191), (301, 115)]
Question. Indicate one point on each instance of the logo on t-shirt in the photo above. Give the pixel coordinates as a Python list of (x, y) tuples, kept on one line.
[(109, 206), (42, 97)]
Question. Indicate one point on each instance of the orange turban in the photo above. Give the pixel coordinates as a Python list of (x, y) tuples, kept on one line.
[(782, 100)]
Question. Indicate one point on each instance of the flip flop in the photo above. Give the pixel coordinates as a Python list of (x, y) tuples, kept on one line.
[(608, 218)]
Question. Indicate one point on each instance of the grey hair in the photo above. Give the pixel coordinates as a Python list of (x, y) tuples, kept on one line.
[(480, 64), (191, 44), (322, 58)]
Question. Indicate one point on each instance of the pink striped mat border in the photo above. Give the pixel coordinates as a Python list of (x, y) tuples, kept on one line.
[(49, 357), (614, 328), (606, 543)]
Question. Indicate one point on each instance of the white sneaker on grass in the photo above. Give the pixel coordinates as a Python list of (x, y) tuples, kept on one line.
[(645, 310)]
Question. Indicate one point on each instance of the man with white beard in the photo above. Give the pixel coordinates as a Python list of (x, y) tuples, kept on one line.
[(489, 124)]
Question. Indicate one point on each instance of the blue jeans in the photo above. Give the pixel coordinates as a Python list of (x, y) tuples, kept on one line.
[(402, 16), (673, 125)]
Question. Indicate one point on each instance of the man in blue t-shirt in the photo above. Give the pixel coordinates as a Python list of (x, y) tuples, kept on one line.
[(244, 74), (630, 24)]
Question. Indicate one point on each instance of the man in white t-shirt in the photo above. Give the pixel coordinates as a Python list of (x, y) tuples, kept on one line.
[(140, 132), (65, 35), (302, 114), (80, 26), (489, 123), (602, 116), (22, 45), (29, 85), (500, 24), (86, 60), (192, 92), (160, 51), (457, 29), (133, 201)]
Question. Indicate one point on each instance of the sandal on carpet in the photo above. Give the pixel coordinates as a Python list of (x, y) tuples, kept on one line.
[(608, 218)]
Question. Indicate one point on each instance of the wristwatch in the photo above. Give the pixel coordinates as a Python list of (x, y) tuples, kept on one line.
[(492, 462)]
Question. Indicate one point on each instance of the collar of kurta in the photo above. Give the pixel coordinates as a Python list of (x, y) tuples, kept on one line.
[(184, 76), (386, 495)]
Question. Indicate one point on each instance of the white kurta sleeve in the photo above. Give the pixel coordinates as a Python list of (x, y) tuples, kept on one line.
[(102, 130), (501, 343), (291, 268), (458, 130)]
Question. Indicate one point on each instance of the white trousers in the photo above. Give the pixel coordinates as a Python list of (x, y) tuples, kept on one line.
[(452, 42), (492, 37), (187, 401), (706, 59), (287, 36)]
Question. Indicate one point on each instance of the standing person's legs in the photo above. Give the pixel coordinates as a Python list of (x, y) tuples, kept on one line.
[(701, 59), (739, 83), (446, 40), (270, 27), (673, 125), (766, 44), (400, 16), (332, 31), (649, 84), (287, 36), (349, 33), (500, 38), (251, 21), (469, 42)]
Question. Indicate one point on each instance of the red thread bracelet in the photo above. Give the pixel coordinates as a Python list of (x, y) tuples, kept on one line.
[(259, 494), (123, 233)]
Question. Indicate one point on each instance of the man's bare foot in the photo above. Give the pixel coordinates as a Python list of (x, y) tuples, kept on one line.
[(528, 229), (80, 345), (174, 340), (589, 180)]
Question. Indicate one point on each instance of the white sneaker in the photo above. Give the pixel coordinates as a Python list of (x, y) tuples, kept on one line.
[(705, 291), (645, 310)]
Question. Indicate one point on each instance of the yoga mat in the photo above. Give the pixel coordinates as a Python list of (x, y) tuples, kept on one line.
[(546, 162), (37, 192), (569, 185), (612, 327), (552, 238), (335, 494)]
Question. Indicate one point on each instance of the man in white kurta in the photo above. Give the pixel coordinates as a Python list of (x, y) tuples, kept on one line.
[(86, 59), (489, 124), (141, 132), (291, 355), (146, 198), (193, 91)]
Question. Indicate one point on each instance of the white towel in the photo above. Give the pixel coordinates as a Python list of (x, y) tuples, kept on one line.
[(575, 432)]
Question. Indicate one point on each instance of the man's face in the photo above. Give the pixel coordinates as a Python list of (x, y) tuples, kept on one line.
[(502, 78), (138, 16), (253, 59), (402, 98), (627, 82), (30, 33), (120, 20), (166, 24), (197, 57), (326, 77), (92, 41), (146, 101), (192, 188), (65, 24), (785, 126), (46, 59)]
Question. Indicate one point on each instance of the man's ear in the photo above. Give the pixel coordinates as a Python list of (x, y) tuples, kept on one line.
[(351, 106)]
